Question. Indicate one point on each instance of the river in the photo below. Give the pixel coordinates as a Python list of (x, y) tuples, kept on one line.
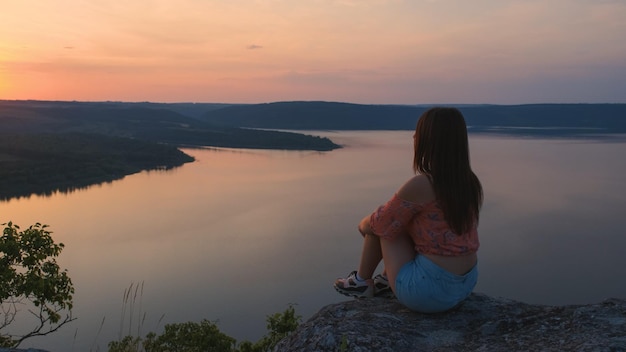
[(241, 234)]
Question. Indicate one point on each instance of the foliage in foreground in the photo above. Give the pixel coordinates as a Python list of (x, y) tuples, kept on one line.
[(30, 278), (205, 336)]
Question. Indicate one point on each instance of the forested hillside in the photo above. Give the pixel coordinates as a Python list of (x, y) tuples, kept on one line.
[(533, 119), (44, 163), (317, 116), (146, 121), (61, 146)]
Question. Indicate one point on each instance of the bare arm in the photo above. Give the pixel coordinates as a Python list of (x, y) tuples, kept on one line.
[(417, 190)]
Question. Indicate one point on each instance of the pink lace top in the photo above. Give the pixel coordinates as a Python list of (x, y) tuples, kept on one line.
[(425, 224)]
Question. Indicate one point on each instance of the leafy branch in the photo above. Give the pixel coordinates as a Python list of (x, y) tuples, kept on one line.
[(30, 278)]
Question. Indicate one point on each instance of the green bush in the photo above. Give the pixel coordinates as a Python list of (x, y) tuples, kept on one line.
[(189, 337), (30, 278), (205, 336)]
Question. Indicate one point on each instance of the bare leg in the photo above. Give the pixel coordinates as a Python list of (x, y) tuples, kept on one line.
[(396, 253), (370, 256)]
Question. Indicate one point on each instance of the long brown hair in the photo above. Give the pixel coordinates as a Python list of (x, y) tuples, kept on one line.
[(442, 154)]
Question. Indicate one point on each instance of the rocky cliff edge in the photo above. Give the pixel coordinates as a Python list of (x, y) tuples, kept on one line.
[(481, 323)]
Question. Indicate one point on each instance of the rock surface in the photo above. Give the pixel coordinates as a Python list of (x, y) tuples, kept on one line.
[(481, 323)]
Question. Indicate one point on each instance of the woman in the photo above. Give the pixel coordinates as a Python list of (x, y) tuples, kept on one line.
[(426, 234)]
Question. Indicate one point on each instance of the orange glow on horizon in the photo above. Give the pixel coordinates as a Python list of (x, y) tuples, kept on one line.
[(4, 84)]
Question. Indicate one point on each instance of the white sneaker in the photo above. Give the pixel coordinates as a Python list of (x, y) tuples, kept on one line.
[(382, 288), (350, 286)]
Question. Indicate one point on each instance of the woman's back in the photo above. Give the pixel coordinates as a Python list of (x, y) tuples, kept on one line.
[(442, 154), (419, 190)]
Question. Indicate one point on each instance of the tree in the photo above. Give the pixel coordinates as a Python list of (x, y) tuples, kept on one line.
[(279, 326), (31, 279), (206, 336)]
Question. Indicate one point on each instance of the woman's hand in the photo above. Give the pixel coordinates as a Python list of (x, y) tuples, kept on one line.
[(364, 226)]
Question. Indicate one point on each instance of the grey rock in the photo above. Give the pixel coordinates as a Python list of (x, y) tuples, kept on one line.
[(481, 323)]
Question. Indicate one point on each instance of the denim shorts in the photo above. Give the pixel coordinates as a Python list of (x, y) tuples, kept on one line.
[(423, 286)]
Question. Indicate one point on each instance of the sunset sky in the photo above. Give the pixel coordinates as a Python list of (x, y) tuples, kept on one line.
[(360, 51)]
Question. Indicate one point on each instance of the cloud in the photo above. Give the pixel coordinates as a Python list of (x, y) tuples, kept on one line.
[(253, 47)]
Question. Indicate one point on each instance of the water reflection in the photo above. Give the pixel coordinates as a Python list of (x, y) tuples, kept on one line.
[(551, 225), (240, 234)]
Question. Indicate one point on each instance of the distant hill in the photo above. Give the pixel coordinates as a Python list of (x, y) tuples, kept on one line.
[(63, 146), (548, 119), (163, 123), (228, 125), (531, 119), (317, 116)]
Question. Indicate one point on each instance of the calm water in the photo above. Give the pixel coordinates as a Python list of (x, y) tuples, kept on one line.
[(240, 234)]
